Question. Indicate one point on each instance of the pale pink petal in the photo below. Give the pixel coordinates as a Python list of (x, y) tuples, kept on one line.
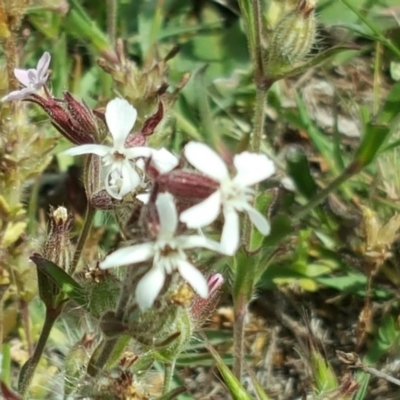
[(259, 221), (252, 168), (193, 241), (98, 149), (18, 94), (204, 213), (168, 216), (43, 66), (164, 160), (22, 76), (206, 160), (230, 237), (129, 255), (214, 282), (149, 287), (193, 277), (120, 118)]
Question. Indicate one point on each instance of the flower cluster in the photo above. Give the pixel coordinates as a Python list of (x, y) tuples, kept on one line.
[(177, 195)]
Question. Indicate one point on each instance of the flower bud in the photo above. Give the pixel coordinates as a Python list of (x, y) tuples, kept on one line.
[(76, 121), (201, 309), (58, 249), (93, 181), (292, 38), (186, 184)]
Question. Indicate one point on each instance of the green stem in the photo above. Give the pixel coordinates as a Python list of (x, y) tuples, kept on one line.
[(240, 311), (87, 225), (97, 365), (252, 15), (259, 119), (29, 368), (112, 8), (168, 375), (351, 170)]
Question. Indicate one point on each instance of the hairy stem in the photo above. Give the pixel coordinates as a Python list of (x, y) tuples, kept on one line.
[(240, 311), (112, 8), (29, 368), (252, 15), (87, 225), (168, 375)]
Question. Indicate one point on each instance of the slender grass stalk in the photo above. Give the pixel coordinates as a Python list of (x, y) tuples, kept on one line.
[(350, 171), (384, 40)]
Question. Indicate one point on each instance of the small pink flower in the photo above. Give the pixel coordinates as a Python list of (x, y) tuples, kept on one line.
[(33, 79)]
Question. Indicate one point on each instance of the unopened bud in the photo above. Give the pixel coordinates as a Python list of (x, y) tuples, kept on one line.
[(93, 181), (57, 249), (202, 308), (292, 38)]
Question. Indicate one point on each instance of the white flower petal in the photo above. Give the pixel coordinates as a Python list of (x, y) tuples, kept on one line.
[(252, 168), (143, 197), (230, 237), (164, 160), (190, 242), (120, 118), (259, 221), (129, 255), (135, 152), (206, 160), (149, 287), (98, 149), (130, 179), (168, 216), (194, 277), (22, 76), (43, 66), (204, 213)]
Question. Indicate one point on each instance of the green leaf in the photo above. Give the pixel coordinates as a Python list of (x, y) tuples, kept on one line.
[(237, 391), (363, 380), (65, 282), (299, 171), (374, 137), (390, 109)]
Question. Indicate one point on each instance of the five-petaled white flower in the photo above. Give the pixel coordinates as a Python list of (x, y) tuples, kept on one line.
[(33, 79), (121, 174), (233, 195), (168, 254)]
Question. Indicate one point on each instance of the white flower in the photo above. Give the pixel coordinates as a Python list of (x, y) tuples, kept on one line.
[(33, 79), (168, 254), (233, 195), (121, 176)]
